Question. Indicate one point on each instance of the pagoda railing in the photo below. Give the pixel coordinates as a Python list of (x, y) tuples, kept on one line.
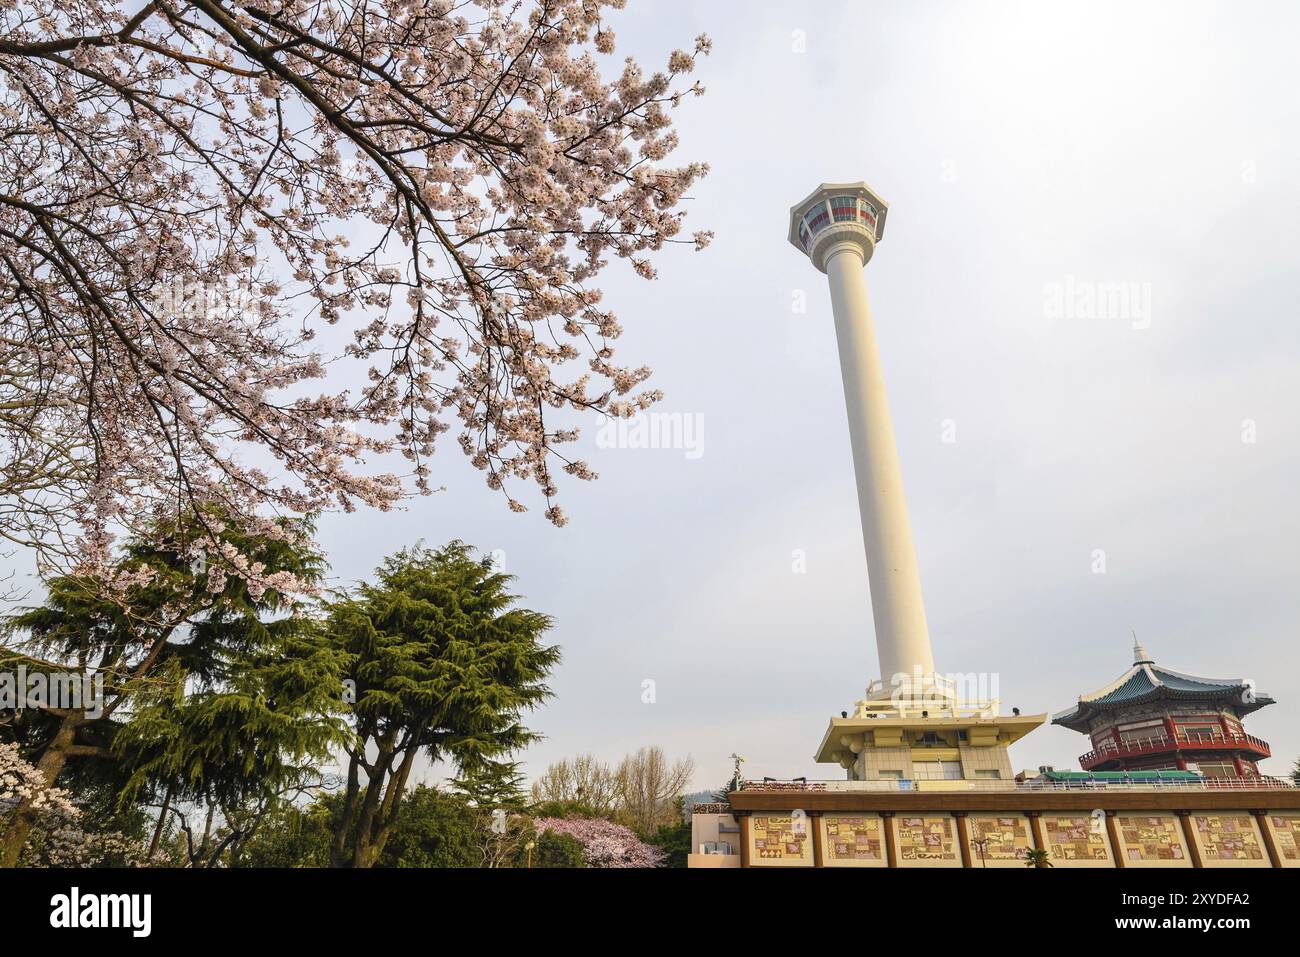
[(1160, 743)]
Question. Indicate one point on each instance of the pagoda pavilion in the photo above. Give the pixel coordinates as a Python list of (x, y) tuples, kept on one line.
[(1151, 718)]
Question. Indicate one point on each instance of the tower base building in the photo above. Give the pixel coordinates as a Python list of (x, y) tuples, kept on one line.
[(937, 737)]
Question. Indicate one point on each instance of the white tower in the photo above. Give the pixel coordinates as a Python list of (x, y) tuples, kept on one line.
[(913, 725), (837, 227)]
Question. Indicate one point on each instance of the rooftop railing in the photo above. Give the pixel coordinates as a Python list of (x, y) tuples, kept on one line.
[(1033, 784), (935, 695)]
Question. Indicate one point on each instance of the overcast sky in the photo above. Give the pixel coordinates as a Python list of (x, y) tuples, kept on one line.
[(1026, 150)]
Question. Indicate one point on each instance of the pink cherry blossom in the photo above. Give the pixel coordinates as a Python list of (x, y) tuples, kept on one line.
[(192, 192), (604, 843), (57, 838)]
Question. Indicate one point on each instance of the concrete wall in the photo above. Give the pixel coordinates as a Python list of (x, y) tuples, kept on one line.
[(874, 760), (1088, 827), (709, 827), (994, 758)]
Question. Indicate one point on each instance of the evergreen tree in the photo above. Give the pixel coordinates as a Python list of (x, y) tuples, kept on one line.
[(552, 850), (673, 837), (493, 784), (210, 687), (440, 663), (675, 841)]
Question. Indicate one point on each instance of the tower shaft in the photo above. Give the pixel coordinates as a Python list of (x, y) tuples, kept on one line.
[(902, 635)]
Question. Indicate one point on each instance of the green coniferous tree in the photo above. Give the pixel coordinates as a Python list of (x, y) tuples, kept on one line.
[(212, 688), (440, 663)]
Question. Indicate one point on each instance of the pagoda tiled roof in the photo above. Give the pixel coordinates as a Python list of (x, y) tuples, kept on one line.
[(1147, 681)]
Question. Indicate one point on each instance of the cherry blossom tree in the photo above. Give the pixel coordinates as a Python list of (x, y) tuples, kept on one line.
[(58, 837), (604, 843), (193, 192)]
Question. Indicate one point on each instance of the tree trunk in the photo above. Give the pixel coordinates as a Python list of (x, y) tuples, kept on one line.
[(50, 766), (364, 851), (207, 836), (392, 802), (339, 856), (162, 822)]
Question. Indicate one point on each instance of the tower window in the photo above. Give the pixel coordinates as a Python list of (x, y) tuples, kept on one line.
[(868, 215), (844, 208), (816, 219)]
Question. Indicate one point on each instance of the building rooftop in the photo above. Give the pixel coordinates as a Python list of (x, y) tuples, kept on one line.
[(1000, 729), (1147, 681)]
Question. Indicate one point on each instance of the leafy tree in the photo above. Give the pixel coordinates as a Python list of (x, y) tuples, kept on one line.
[(441, 664), (552, 850), (433, 829), (643, 791), (209, 683)]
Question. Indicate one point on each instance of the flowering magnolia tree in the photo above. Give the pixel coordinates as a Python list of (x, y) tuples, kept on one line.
[(191, 190), (604, 843)]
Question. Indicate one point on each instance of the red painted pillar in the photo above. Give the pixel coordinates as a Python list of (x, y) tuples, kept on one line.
[(1171, 732)]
